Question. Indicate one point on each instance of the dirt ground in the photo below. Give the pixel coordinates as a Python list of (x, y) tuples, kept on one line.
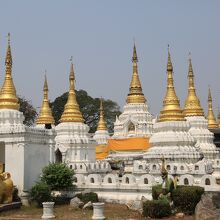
[(63, 212)]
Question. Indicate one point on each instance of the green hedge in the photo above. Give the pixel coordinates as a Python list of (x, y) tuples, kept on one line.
[(58, 176), (156, 208), (185, 198), (157, 190), (86, 197), (40, 192)]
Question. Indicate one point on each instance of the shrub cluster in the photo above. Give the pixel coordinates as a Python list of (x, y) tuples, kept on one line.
[(86, 197), (185, 198), (156, 208), (55, 176), (157, 190), (58, 176), (40, 192)]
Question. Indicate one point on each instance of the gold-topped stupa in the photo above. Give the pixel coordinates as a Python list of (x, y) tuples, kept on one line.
[(171, 107), (71, 111), (192, 104), (45, 116), (8, 97), (101, 124), (135, 91), (211, 117)]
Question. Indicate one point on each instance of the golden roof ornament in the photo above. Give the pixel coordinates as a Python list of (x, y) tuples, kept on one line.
[(135, 91), (171, 107), (192, 104), (71, 110), (101, 123), (211, 117), (8, 97), (45, 116)]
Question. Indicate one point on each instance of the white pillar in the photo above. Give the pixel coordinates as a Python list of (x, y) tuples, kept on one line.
[(48, 210), (98, 211)]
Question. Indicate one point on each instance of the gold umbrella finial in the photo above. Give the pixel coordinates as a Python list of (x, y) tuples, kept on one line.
[(71, 110), (135, 94), (171, 107), (211, 117), (45, 115), (192, 104), (8, 97), (101, 123)]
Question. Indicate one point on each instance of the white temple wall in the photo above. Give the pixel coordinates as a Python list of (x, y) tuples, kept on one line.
[(112, 188), (36, 156), (75, 153), (14, 163)]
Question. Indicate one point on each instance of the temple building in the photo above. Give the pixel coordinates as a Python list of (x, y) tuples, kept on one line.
[(24, 150), (175, 140), (73, 144), (194, 114), (101, 135), (171, 138), (134, 127)]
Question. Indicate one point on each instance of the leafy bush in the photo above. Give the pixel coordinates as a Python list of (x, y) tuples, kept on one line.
[(157, 190), (185, 198), (58, 176), (156, 208), (15, 197), (86, 197), (40, 192)]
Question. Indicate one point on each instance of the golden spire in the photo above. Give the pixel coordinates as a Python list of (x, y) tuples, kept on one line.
[(192, 103), (135, 91), (71, 111), (171, 107), (8, 97), (101, 123), (211, 117), (45, 116)]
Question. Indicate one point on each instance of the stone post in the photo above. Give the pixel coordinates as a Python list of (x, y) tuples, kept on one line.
[(98, 211), (48, 210), (25, 198)]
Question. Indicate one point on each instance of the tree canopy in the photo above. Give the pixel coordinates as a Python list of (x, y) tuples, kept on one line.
[(28, 110), (90, 109)]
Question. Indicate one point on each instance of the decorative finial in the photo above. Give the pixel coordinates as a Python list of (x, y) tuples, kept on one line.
[(192, 104), (211, 117), (45, 81), (45, 115), (134, 58), (8, 97), (135, 91), (9, 39), (71, 111), (101, 123), (171, 107)]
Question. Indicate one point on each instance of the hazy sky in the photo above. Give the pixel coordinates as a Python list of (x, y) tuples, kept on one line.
[(99, 35)]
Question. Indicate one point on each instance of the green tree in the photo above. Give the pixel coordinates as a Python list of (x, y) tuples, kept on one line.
[(90, 109), (58, 176), (28, 110)]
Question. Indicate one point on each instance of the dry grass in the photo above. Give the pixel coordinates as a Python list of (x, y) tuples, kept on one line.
[(63, 212)]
